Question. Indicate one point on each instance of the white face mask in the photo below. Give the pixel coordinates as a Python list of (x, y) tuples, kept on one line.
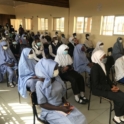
[(104, 60), (55, 73), (5, 47), (24, 38), (101, 46), (88, 37), (3, 38), (56, 41), (31, 56), (120, 41), (14, 43)]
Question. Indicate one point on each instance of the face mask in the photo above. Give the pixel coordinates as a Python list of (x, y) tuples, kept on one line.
[(31, 56), (88, 37), (38, 44), (24, 38), (101, 46), (120, 41), (65, 52), (5, 47), (56, 41), (3, 38), (14, 43), (104, 60), (55, 73)]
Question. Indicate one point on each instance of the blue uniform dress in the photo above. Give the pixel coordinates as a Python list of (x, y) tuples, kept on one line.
[(80, 60), (26, 72), (52, 93), (6, 56)]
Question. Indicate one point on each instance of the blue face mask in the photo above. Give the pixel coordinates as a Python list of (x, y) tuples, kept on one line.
[(104, 60), (38, 44), (65, 52)]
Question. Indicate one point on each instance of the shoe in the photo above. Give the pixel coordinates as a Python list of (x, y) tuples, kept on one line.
[(84, 99), (117, 122), (83, 102), (11, 85), (15, 83)]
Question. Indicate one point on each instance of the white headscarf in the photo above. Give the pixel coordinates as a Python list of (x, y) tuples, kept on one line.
[(71, 40), (96, 59), (61, 59), (97, 47)]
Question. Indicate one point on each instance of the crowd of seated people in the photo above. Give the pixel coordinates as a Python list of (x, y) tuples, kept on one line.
[(43, 63)]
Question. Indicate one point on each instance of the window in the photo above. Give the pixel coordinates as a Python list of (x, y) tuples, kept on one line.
[(107, 25), (58, 24), (42, 24), (28, 24), (16, 23), (119, 25), (82, 24), (88, 24)]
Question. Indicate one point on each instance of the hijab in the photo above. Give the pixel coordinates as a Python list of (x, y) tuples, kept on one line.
[(26, 70), (79, 57), (97, 47), (96, 59), (117, 49), (62, 59), (6, 56), (45, 69)]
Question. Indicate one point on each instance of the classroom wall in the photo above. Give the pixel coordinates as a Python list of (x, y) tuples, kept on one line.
[(34, 10), (96, 9), (7, 9)]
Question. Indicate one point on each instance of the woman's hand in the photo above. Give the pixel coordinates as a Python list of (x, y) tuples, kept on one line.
[(90, 65), (10, 65), (65, 109), (34, 77), (114, 89), (65, 68)]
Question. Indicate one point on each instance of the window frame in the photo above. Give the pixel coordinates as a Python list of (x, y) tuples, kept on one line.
[(31, 28), (59, 27), (83, 30), (44, 24)]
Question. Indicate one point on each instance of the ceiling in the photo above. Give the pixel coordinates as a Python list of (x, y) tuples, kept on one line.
[(59, 3), (10, 2)]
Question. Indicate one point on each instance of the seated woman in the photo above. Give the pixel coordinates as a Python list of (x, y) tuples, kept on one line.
[(119, 70), (81, 63), (27, 77), (88, 43), (53, 47), (8, 63), (99, 46), (102, 86), (50, 90), (38, 47), (68, 74), (118, 50), (15, 48)]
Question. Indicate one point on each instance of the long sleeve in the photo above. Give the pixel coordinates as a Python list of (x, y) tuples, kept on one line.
[(98, 80), (51, 51)]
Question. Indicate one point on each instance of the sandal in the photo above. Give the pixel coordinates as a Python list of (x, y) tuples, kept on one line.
[(11, 85), (83, 102)]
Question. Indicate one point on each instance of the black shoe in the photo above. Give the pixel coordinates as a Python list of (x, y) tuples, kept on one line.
[(84, 99), (83, 102)]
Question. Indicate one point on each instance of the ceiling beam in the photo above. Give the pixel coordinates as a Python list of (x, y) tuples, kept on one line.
[(58, 3)]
